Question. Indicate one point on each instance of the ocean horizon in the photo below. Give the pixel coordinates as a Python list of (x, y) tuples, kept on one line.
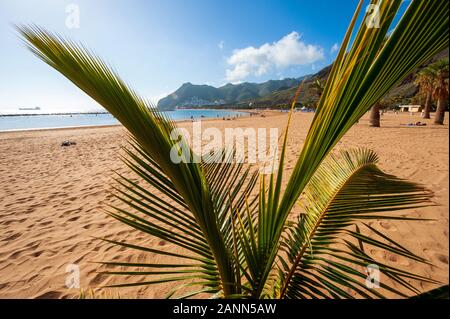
[(16, 122)]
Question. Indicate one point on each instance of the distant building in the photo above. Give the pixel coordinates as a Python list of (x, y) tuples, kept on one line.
[(198, 102), (410, 108)]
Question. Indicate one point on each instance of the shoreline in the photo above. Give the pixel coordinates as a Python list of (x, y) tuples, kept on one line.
[(205, 119), (50, 114), (39, 129), (105, 112)]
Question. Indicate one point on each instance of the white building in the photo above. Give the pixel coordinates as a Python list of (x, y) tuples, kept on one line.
[(410, 108)]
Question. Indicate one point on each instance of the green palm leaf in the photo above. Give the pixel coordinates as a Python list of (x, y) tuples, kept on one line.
[(151, 131), (321, 248), (360, 76), (238, 245)]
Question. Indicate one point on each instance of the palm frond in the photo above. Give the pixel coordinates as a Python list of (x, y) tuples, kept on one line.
[(239, 244), (183, 182), (166, 217), (322, 249), (360, 76)]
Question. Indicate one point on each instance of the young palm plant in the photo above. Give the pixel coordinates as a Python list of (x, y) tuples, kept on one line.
[(439, 71), (238, 241), (424, 81)]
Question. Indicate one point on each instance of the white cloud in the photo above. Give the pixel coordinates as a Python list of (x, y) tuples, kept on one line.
[(221, 44), (287, 51), (239, 72), (334, 48)]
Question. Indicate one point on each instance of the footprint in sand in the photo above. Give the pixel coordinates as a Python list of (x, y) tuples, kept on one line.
[(73, 219), (162, 243), (388, 226), (442, 258), (37, 253), (8, 222), (15, 255), (398, 259), (14, 236)]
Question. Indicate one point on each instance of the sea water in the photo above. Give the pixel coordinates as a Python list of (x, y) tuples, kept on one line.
[(26, 122)]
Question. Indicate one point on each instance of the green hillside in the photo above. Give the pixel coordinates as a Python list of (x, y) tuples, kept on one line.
[(278, 93), (406, 92), (191, 95)]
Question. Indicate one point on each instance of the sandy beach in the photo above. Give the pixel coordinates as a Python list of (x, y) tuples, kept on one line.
[(51, 199)]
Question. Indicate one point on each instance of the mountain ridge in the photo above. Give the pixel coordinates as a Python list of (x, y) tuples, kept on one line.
[(197, 95), (279, 93)]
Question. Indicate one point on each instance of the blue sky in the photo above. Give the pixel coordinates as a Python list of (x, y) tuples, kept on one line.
[(157, 45)]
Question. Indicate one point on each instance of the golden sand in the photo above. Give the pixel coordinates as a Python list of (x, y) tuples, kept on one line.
[(50, 201)]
